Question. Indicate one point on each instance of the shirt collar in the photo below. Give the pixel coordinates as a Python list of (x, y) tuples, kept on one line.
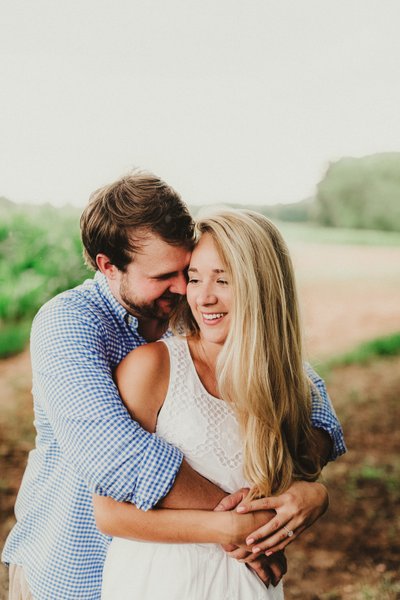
[(117, 308)]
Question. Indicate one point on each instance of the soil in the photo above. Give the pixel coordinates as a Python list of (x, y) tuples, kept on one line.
[(348, 294), (353, 552)]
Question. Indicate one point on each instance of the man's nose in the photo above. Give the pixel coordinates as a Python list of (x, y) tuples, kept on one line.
[(179, 284)]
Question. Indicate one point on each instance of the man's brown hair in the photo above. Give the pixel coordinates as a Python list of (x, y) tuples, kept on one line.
[(119, 216)]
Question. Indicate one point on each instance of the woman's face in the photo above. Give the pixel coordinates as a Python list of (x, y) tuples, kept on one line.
[(209, 291)]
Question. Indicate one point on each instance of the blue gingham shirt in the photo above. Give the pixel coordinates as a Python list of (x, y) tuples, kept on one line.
[(87, 442)]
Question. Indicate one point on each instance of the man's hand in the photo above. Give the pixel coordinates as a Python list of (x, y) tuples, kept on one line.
[(270, 569), (296, 509), (232, 500)]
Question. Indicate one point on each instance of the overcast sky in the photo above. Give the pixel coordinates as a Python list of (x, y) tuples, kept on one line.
[(240, 101)]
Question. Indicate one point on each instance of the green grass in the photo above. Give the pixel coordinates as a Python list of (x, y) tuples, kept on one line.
[(307, 232), (369, 475), (387, 589), (364, 353)]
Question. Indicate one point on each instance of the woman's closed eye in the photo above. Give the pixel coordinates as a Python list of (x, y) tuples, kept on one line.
[(197, 280)]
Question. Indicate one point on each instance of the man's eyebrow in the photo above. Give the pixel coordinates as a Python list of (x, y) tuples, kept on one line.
[(194, 270), (164, 275)]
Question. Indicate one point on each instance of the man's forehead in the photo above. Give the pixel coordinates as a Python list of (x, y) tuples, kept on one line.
[(146, 241), (161, 260)]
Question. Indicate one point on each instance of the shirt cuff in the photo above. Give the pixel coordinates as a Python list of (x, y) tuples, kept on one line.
[(157, 473), (336, 434)]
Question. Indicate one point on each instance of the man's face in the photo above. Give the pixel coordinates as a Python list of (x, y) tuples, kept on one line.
[(154, 281)]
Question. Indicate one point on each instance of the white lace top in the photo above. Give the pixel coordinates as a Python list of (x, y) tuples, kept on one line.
[(203, 427), (206, 431)]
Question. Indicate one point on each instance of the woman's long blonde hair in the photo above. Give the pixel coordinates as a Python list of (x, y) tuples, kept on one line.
[(260, 369)]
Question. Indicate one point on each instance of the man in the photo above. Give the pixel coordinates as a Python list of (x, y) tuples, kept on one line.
[(137, 235)]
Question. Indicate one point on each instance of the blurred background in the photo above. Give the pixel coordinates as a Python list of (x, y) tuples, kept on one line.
[(287, 108)]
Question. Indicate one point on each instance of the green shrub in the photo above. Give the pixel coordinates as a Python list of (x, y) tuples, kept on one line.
[(40, 256), (13, 337)]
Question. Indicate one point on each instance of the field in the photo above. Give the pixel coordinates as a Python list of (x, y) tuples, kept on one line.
[(350, 293)]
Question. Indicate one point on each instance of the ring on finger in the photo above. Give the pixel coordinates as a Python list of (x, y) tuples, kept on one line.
[(289, 532)]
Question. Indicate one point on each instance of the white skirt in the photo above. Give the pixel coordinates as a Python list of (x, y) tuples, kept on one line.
[(153, 571)]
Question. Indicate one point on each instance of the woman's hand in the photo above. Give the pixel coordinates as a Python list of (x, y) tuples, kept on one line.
[(295, 510), (270, 569)]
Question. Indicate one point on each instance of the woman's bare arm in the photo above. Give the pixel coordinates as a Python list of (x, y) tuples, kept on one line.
[(142, 379), (174, 526)]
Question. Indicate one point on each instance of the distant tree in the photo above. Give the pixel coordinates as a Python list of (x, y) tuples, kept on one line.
[(296, 211), (362, 193)]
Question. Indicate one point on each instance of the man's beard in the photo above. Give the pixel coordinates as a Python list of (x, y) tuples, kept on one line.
[(149, 310)]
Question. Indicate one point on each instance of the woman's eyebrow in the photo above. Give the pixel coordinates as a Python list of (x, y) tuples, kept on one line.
[(194, 270)]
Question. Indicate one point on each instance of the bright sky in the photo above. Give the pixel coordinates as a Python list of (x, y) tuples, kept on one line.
[(227, 100)]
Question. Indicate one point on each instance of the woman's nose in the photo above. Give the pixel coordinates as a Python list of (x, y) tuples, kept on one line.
[(206, 296)]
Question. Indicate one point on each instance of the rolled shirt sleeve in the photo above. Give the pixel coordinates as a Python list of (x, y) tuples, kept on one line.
[(72, 381), (323, 414)]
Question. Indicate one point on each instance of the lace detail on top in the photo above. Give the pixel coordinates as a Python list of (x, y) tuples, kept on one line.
[(206, 431), (203, 427)]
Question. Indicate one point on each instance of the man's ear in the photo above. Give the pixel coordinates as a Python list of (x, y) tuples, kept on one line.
[(106, 267)]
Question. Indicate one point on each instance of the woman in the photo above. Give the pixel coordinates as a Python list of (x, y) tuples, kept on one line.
[(233, 395)]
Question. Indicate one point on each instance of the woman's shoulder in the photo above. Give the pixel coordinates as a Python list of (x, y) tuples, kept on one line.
[(148, 353), (142, 378), (143, 362)]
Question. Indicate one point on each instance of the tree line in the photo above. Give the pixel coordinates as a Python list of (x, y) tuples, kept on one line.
[(359, 193)]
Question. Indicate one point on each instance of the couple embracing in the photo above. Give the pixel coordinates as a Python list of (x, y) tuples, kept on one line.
[(179, 432)]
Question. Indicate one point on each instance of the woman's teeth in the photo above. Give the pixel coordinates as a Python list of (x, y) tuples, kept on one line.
[(213, 316)]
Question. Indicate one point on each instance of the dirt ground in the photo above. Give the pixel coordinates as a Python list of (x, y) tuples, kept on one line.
[(353, 552), (348, 294)]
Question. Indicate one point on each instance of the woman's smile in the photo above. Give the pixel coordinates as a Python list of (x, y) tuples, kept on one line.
[(212, 319)]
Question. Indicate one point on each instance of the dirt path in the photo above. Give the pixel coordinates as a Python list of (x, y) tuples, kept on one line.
[(16, 439), (348, 294), (15, 379)]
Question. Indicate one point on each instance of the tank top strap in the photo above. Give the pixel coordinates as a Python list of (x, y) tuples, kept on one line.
[(179, 359)]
